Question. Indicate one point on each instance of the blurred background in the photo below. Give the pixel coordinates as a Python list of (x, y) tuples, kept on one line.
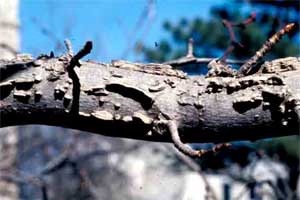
[(41, 162)]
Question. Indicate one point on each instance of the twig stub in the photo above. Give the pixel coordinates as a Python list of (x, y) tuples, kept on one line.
[(83, 52)]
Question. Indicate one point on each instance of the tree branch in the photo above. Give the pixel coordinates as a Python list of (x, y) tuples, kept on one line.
[(133, 100)]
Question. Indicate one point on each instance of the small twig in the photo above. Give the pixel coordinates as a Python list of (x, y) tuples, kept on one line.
[(144, 16), (190, 58), (173, 128), (56, 164), (8, 48), (267, 46), (72, 74), (233, 41), (83, 52), (68, 45), (88, 183)]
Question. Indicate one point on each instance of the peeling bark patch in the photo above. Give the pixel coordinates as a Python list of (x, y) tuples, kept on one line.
[(103, 115), (37, 96), (233, 87), (142, 118), (53, 76), (38, 62), (37, 78), (170, 83), (275, 80), (5, 89), (245, 83), (59, 92), (22, 96), (150, 68), (198, 104), (97, 91), (117, 106), (185, 100), (127, 118), (278, 103), (101, 101), (133, 93), (117, 117), (281, 65), (243, 104), (273, 97), (84, 114), (116, 75), (157, 88), (67, 100), (215, 85), (24, 84), (217, 69)]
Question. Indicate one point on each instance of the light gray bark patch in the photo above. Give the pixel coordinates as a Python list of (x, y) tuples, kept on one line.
[(6, 88)]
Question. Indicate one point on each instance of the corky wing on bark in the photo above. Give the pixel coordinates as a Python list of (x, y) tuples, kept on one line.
[(136, 100)]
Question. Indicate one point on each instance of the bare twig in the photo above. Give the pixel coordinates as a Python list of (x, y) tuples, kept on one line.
[(190, 58), (233, 41), (173, 128), (267, 46), (89, 184), (190, 49), (72, 74), (68, 45), (146, 13)]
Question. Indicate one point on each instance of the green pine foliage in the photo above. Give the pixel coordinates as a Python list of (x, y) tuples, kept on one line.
[(211, 38)]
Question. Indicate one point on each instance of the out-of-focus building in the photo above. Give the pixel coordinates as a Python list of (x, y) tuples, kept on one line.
[(9, 45), (9, 28)]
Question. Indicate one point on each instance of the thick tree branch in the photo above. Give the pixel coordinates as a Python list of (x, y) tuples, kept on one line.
[(135, 100)]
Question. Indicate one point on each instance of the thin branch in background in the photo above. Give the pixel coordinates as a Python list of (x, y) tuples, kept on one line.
[(122, 27), (48, 33), (147, 13), (190, 58), (190, 48), (233, 41), (87, 182), (68, 45), (8, 48)]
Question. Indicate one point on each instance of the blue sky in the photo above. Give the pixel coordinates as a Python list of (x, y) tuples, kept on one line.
[(108, 23)]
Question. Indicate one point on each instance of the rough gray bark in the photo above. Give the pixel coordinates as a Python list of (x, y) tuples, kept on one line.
[(136, 100)]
